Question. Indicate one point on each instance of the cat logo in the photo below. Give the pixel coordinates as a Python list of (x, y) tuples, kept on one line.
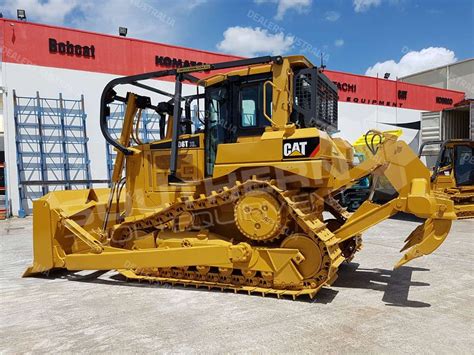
[(300, 148), (295, 149)]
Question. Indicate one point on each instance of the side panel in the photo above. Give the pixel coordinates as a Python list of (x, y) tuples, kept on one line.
[(189, 167), (147, 173), (430, 130), (430, 126)]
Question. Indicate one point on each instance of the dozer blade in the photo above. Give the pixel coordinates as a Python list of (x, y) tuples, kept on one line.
[(425, 239)]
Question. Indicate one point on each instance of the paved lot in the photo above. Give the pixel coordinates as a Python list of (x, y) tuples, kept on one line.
[(425, 307)]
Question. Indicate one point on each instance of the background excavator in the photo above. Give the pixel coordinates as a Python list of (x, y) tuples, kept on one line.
[(243, 203)]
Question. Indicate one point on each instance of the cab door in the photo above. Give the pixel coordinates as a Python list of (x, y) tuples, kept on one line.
[(234, 109)]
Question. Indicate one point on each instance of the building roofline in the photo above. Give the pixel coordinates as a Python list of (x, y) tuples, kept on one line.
[(436, 68), (119, 37), (384, 80)]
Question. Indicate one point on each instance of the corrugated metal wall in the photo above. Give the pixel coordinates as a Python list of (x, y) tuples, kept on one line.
[(430, 126)]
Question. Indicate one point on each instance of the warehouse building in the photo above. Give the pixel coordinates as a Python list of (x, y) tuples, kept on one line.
[(457, 76), (451, 122), (50, 85)]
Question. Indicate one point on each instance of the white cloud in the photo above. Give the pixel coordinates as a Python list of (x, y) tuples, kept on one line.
[(164, 21), (195, 3), (142, 18), (339, 42), (50, 11), (413, 62), (364, 5), (332, 16), (299, 6), (248, 41)]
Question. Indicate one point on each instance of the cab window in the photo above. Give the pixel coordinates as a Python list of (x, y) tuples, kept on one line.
[(248, 106), (251, 105)]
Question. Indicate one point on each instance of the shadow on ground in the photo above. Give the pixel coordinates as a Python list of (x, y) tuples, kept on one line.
[(395, 284), (402, 216)]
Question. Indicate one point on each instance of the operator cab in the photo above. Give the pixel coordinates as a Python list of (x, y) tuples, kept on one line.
[(455, 161), (235, 109), (458, 160), (241, 106)]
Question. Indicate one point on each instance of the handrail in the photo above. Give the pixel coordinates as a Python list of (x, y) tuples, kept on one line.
[(265, 102), (109, 95)]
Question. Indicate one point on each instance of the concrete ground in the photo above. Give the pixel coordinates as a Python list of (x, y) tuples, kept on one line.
[(424, 307)]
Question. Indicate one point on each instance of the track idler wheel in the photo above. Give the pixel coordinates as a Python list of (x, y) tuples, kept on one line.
[(313, 256)]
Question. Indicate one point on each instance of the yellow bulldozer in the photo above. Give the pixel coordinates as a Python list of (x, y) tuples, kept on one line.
[(244, 202), (452, 171)]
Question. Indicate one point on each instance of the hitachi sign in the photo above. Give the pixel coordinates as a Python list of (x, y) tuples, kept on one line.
[(175, 62), (346, 86)]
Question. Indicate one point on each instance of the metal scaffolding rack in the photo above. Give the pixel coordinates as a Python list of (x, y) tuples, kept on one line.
[(51, 145)]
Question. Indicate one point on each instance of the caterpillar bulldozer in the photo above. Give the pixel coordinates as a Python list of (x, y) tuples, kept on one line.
[(453, 171), (243, 202)]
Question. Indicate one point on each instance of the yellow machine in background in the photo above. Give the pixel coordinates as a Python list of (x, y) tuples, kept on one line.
[(380, 187), (452, 171), (361, 145), (242, 202)]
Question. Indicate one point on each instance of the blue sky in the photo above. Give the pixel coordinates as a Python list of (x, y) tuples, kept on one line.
[(359, 36)]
